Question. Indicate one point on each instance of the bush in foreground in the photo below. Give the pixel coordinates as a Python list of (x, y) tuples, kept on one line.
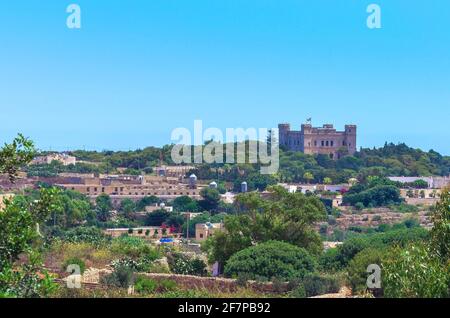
[(272, 259)]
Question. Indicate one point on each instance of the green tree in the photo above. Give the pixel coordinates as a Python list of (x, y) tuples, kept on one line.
[(146, 201), (357, 268), (103, 207), (284, 216), (175, 219), (211, 198), (422, 269), (127, 208), (272, 259), (375, 195), (19, 227), (75, 208), (156, 218), (185, 204), (440, 234), (415, 272), (308, 177), (15, 155)]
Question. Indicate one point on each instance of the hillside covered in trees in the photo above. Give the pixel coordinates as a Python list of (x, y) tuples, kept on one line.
[(390, 160)]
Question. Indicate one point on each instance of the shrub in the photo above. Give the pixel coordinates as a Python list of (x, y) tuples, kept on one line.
[(81, 234), (315, 284), (404, 208), (332, 220), (133, 247), (299, 292), (121, 277), (323, 229), (198, 267), (401, 237), (377, 218), (166, 285), (102, 256), (357, 268), (278, 285), (145, 285), (378, 195), (271, 259), (329, 261), (184, 265), (243, 278), (125, 262), (415, 273), (410, 223)]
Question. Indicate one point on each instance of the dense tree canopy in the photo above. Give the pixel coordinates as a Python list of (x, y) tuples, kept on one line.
[(20, 223), (388, 160), (284, 216), (272, 259)]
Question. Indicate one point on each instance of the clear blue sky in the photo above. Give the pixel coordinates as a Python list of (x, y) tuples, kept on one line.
[(138, 69)]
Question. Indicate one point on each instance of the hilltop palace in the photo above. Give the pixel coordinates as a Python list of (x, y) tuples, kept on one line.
[(318, 140)]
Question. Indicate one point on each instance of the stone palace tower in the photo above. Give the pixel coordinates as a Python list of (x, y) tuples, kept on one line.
[(318, 140)]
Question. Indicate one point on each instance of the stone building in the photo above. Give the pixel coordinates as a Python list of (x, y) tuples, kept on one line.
[(148, 232), (319, 140), (63, 158), (133, 187), (205, 230)]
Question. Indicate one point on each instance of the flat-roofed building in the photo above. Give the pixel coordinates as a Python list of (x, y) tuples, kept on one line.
[(161, 187), (148, 232), (173, 171), (63, 158), (205, 230), (435, 182)]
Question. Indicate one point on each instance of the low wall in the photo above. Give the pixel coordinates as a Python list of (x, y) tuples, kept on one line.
[(420, 201), (211, 284), (214, 283)]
